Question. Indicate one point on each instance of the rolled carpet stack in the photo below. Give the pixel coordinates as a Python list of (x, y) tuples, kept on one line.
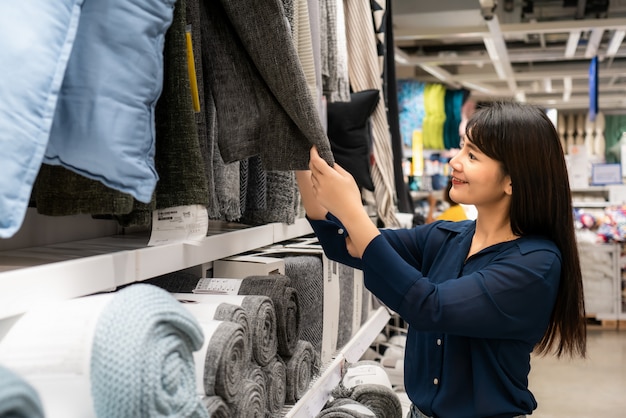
[(117, 355), (346, 304), (222, 360), (18, 399), (250, 403), (262, 317), (285, 298), (216, 407), (345, 408), (301, 367), (221, 311), (367, 383), (276, 379), (255, 373)]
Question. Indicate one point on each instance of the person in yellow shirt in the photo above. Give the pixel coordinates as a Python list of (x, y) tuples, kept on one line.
[(455, 212)]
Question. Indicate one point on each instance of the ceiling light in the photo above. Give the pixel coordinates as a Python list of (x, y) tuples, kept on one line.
[(547, 85), (567, 88), (572, 44), (616, 41)]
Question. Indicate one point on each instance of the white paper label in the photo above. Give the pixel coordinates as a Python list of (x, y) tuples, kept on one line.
[(366, 374), (218, 286), (179, 224)]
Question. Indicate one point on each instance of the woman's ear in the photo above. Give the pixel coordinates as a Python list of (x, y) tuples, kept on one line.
[(508, 189)]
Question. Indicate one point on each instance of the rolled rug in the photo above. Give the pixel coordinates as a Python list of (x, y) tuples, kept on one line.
[(18, 399), (275, 377), (346, 304), (117, 355), (221, 311), (307, 277), (301, 368), (262, 317), (285, 298), (250, 403), (216, 407), (255, 373), (346, 408), (367, 383), (222, 360)]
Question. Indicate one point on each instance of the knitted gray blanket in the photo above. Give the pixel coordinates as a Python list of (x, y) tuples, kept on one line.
[(18, 399)]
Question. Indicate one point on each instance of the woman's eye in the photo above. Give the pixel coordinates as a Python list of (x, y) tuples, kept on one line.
[(471, 156)]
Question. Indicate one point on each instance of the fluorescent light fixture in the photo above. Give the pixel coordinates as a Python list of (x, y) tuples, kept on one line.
[(616, 41), (594, 42), (572, 44), (567, 88)]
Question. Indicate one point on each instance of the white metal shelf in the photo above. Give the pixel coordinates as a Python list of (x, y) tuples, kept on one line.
[(320, 391), (31, 276)]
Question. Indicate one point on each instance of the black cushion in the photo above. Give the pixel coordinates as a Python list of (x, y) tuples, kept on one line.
[(350, 134)]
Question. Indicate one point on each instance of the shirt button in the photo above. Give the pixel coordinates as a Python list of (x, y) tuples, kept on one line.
[(435, 381), (438, 341), (340, 231)]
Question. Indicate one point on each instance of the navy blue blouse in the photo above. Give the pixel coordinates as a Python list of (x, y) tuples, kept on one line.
[(472, 323)]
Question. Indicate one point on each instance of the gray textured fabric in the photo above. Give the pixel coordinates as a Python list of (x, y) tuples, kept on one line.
[(276, 377), (285, 299), (346, 304), (329, 65), (255, 373), (256, 192), (61, 192), (281, 192), (302, 367), (250, 403), (227, 187), (178, 281), (262, 108), (216, 407), (178, 159), (225, 361), (346, 408), (18, 399), (307, 277)]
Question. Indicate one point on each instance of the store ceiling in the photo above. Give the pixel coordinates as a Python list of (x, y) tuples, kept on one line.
[(537, 51)]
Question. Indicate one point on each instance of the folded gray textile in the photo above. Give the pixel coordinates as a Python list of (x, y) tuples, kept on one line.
[(307, 277), (281, 200), (346, 304), (285, 299), (227, 187), (302, 367), (256, 187), (18, 399), (145, 335), (276, 380), (61, 192), (225, 361), (263, 109), (216, 407), (250, 402), (176, 282), (346, 408)]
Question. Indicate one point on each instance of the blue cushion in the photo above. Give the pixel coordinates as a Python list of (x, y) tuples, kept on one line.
[(36, 38), (104, 125)]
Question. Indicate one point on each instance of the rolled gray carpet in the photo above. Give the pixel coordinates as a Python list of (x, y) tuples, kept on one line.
[(261, 315), (221, 311), (255, 373), (250, 403), (18, 399), (371, 387), (346, 408), (307, 277), (222, 360), (144, 335), (346, 304), (216, 407), (275, 377), (302, 367), (285, 299)]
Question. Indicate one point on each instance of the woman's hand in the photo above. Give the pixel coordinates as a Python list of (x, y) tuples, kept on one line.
[(334, 188)]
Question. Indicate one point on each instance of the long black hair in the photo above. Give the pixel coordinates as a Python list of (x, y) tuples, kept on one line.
[(524, 140)]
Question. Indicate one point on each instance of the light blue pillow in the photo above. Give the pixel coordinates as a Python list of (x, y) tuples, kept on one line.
[(36, 38), (104, 126)]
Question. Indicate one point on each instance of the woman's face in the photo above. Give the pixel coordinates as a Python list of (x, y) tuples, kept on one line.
[(478, 179)]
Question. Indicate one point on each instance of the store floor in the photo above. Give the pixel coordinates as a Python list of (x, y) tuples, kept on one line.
[(590, 388)]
